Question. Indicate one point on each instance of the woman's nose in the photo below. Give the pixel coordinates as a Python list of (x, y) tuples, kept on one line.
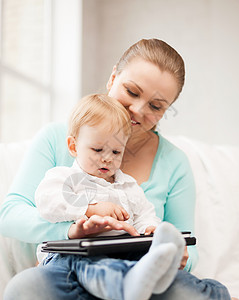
[(137, 108)]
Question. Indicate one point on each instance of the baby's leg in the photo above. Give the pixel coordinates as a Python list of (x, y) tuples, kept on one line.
[(103, 277), (155, 271)]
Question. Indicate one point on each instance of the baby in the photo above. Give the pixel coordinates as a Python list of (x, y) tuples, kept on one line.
[(99, 129)]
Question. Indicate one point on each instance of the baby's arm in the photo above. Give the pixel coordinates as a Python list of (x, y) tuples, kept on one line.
[(64, 195), (145, 219), (56, 197), (107, 209)]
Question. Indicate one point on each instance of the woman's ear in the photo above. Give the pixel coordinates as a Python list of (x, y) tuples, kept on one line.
[(111, 79), (71, 143)]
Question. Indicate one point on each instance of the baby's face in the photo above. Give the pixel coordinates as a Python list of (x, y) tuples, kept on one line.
[(100, 153)]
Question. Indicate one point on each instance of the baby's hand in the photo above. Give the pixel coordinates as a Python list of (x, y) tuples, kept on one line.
[(107, 209), (149, 230)]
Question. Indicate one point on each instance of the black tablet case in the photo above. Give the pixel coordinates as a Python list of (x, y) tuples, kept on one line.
[(106, 244)]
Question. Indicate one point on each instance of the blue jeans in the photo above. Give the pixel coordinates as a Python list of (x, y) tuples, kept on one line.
[(59, 279)]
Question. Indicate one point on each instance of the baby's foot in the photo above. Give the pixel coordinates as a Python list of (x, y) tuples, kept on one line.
[(165, 233), (140, 281)]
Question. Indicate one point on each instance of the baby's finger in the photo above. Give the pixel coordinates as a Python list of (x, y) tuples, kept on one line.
[(124, 213), (119, 214), (114, 215)]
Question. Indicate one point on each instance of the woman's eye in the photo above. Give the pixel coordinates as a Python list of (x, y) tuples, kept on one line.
[(96, 149), (155, 107), (116, 152), (132, 93)]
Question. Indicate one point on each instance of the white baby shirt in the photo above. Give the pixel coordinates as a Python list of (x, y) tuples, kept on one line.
[(65, 193)]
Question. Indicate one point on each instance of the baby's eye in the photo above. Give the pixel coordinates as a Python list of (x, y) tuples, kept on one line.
[(96, 149), (116, 152)]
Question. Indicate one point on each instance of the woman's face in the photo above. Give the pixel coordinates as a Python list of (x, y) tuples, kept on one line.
[(145, 91)]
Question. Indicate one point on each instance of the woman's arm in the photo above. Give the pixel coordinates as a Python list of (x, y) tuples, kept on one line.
[(171, 189), (19, 217), (180, 204)]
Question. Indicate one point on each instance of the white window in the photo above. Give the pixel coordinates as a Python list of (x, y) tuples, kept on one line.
[(39, 64)]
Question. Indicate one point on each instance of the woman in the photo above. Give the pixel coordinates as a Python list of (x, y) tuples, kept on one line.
[(147, 80)]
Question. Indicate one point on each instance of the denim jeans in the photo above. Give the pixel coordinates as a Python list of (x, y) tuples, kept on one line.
[(59, 279)]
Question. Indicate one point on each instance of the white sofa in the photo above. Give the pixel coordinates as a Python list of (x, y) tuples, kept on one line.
[(216, 171)]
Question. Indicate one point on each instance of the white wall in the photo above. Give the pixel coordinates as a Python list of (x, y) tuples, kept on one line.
[(204, 32)]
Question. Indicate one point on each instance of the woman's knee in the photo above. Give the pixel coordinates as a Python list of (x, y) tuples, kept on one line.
[(190, 287), (25, 285), (49, 282)]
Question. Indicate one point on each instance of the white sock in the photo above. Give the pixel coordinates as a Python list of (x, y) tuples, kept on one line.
[(165, 233), (140, 281)]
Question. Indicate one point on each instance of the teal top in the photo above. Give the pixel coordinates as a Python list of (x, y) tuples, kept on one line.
[(170, 188)]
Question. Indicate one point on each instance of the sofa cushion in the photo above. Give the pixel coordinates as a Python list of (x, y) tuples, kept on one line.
[(216, 172)]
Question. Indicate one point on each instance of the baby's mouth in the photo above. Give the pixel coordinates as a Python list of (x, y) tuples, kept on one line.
[(104, 170)]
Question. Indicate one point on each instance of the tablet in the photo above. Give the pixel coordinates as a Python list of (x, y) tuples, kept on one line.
[(106, 244)]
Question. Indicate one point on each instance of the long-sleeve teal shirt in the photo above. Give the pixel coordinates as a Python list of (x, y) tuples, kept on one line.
[(170, 188)]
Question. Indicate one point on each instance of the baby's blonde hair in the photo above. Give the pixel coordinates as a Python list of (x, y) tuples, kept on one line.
[(99, 109)]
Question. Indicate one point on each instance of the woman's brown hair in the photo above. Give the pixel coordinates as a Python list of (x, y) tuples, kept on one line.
[(159, 53)]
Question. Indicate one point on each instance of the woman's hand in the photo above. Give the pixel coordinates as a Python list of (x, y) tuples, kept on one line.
[(97, 224), (184, 259), (149, 230)]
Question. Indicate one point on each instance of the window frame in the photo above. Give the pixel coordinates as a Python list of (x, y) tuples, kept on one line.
[(62, 83)]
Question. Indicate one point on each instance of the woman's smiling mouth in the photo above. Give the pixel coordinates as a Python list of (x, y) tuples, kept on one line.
[(134, 122)]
